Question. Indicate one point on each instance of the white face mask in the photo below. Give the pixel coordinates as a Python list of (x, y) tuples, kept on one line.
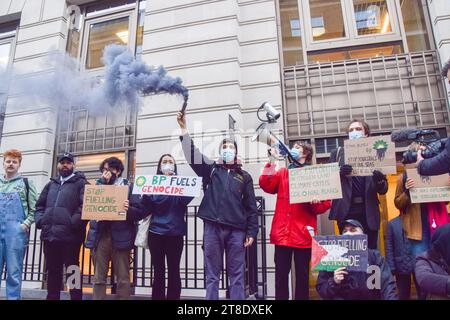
[(228, 155), (168, 168), (355, 135)]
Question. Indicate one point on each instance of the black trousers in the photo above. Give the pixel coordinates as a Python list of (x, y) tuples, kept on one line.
[(283, 262), (57, 255), (404, 287), (162, 248)]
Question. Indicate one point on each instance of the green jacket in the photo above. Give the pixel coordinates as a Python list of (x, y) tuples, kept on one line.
[(17, 185)]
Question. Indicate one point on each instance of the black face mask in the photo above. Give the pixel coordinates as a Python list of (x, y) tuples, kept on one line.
[(113, 178), (65, 173)]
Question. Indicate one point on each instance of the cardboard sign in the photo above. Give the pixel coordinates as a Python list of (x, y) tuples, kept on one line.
[(320, 182), (104, 202), (368, 154), (168, 185), (333, 252), (429, 188)]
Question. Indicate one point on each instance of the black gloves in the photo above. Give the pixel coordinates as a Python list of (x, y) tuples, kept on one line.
[(378, 177), (346, 169)]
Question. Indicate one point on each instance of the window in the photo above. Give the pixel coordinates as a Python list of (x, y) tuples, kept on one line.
[(102, 34), (363, 52), (346, 23), (291, 32), (415, 27), (372, 17), (7, 37), (327, 21), (101, 23)]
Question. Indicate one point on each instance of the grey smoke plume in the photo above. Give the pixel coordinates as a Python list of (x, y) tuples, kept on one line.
[(124, 80), (126, 77)]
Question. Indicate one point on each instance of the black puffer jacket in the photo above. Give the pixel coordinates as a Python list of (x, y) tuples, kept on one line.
[(58, 210)]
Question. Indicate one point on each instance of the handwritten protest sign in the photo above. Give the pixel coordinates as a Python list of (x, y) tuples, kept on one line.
[(104, 202), (333, 252), (428, 188), (168, 185), (321, 182), (368, 154)]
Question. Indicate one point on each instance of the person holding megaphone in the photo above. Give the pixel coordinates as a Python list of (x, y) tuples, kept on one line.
[(293, 224)]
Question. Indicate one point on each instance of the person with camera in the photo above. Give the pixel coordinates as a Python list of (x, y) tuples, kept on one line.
[(359, 194), (439, 164), (419, 221)]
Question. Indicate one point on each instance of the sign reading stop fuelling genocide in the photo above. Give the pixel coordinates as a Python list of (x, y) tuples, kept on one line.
[(168, 185), (333, 252), (366, 155), (318, 182), (104, 202), (429, 188)]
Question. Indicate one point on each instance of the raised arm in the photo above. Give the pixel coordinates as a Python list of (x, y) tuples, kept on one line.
[(201, 165)]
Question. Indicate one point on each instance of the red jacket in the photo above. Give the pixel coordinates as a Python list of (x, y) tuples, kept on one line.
[(290, 220)]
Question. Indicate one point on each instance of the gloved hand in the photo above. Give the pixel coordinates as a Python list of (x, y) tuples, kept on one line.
[(346, 169), (378, 177)]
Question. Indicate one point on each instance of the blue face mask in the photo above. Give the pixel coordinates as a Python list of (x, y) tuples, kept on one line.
[(228, 155), (296, 154), (355, 135)]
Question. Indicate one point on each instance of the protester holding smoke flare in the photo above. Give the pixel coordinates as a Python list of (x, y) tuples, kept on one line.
[(228, 210), (433, 267), (351, 285), (293, 224), (166, 231), (359, 194), (17, 206), (112, 241), (58, 214), (419, 221)]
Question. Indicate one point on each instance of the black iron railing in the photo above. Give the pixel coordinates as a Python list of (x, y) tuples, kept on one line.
[(191, 269)]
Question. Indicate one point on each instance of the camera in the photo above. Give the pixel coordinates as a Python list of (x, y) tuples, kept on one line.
[(430, 139)]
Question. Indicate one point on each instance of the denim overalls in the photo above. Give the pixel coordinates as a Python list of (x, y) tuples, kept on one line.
[(13, 241)]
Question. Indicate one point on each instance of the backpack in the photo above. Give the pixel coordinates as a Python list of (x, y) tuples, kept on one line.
[(27, 189)]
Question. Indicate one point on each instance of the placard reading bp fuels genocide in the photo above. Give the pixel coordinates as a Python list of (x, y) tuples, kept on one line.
[(168, 185), (104, 202), (318, 182), (428, 188), (366, 155), (333, 252)]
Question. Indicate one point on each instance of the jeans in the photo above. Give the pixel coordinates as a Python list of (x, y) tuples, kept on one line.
[(13, 242), (217, 239), (161, 248), (283, 262), (103, 254)]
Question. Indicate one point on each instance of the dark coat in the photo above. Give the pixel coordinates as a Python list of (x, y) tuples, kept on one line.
[(437, 165), (432, 277), (58, 210), (229, 194), (167, 214), (398, 248), (340, 207), (123, 233), (354, 286)]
